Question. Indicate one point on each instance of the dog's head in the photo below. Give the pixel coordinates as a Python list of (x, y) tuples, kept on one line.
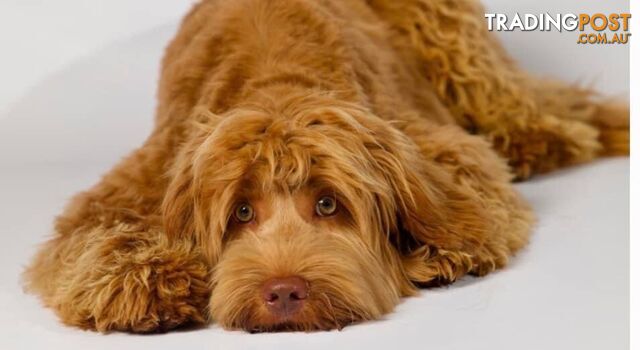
[(312, 213)]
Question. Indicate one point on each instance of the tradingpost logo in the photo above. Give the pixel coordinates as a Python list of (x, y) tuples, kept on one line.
[(591, 27)]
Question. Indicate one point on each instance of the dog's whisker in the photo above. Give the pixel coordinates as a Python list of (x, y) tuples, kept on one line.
[(329, 306)]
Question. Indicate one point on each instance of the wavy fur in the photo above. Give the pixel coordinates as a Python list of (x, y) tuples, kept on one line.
[(408, 112)]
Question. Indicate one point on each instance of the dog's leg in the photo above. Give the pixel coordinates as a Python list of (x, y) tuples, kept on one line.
[(527, 121), (123, 278), (110, 266), (483, 219)]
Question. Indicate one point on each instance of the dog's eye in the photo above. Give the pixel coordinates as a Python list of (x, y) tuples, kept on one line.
[(326, 206), (244, 213)]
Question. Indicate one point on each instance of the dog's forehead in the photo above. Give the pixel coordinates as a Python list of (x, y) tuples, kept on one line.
[(286, 205), (284, 152), (254, 151), (283, 125), (283, 210)]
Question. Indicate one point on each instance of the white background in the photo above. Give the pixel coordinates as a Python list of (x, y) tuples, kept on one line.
[(77, 84)]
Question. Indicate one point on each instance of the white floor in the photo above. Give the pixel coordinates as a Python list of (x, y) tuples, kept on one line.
[(78, 93)]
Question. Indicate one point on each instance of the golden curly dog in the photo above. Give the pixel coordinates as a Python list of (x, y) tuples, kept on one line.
[(314, 161)]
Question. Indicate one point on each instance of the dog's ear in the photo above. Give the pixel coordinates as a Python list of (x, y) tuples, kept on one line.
[(179, 204), (436, 213), (432, 207), (185, 210)]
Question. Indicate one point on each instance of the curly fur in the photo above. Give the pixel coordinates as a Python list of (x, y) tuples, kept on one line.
[(407, 111)]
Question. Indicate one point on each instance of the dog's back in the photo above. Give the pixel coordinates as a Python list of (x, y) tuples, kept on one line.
[(227, 49), (403, 59)]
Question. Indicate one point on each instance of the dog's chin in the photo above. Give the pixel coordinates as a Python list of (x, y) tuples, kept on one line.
[(347, 284), (313, 319), (303, 326), (281, 327)]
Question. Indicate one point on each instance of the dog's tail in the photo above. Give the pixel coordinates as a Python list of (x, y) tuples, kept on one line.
[(612, 119), (608, 116)]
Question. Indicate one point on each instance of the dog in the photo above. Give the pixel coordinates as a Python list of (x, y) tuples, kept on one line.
[(312, 163)]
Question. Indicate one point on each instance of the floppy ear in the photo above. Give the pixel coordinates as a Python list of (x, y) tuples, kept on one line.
[(179, 205), (443, 222), (185, 209), (432, 207)]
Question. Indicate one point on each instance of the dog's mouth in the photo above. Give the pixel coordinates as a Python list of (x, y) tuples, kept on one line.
[(307, 321), (314, 313), (290, 327)]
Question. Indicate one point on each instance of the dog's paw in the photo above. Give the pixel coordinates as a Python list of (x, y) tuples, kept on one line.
[(135, 283), (148, 298), (156, 299)]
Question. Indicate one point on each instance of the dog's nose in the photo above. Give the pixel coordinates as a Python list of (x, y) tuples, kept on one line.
[(285, 296)]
